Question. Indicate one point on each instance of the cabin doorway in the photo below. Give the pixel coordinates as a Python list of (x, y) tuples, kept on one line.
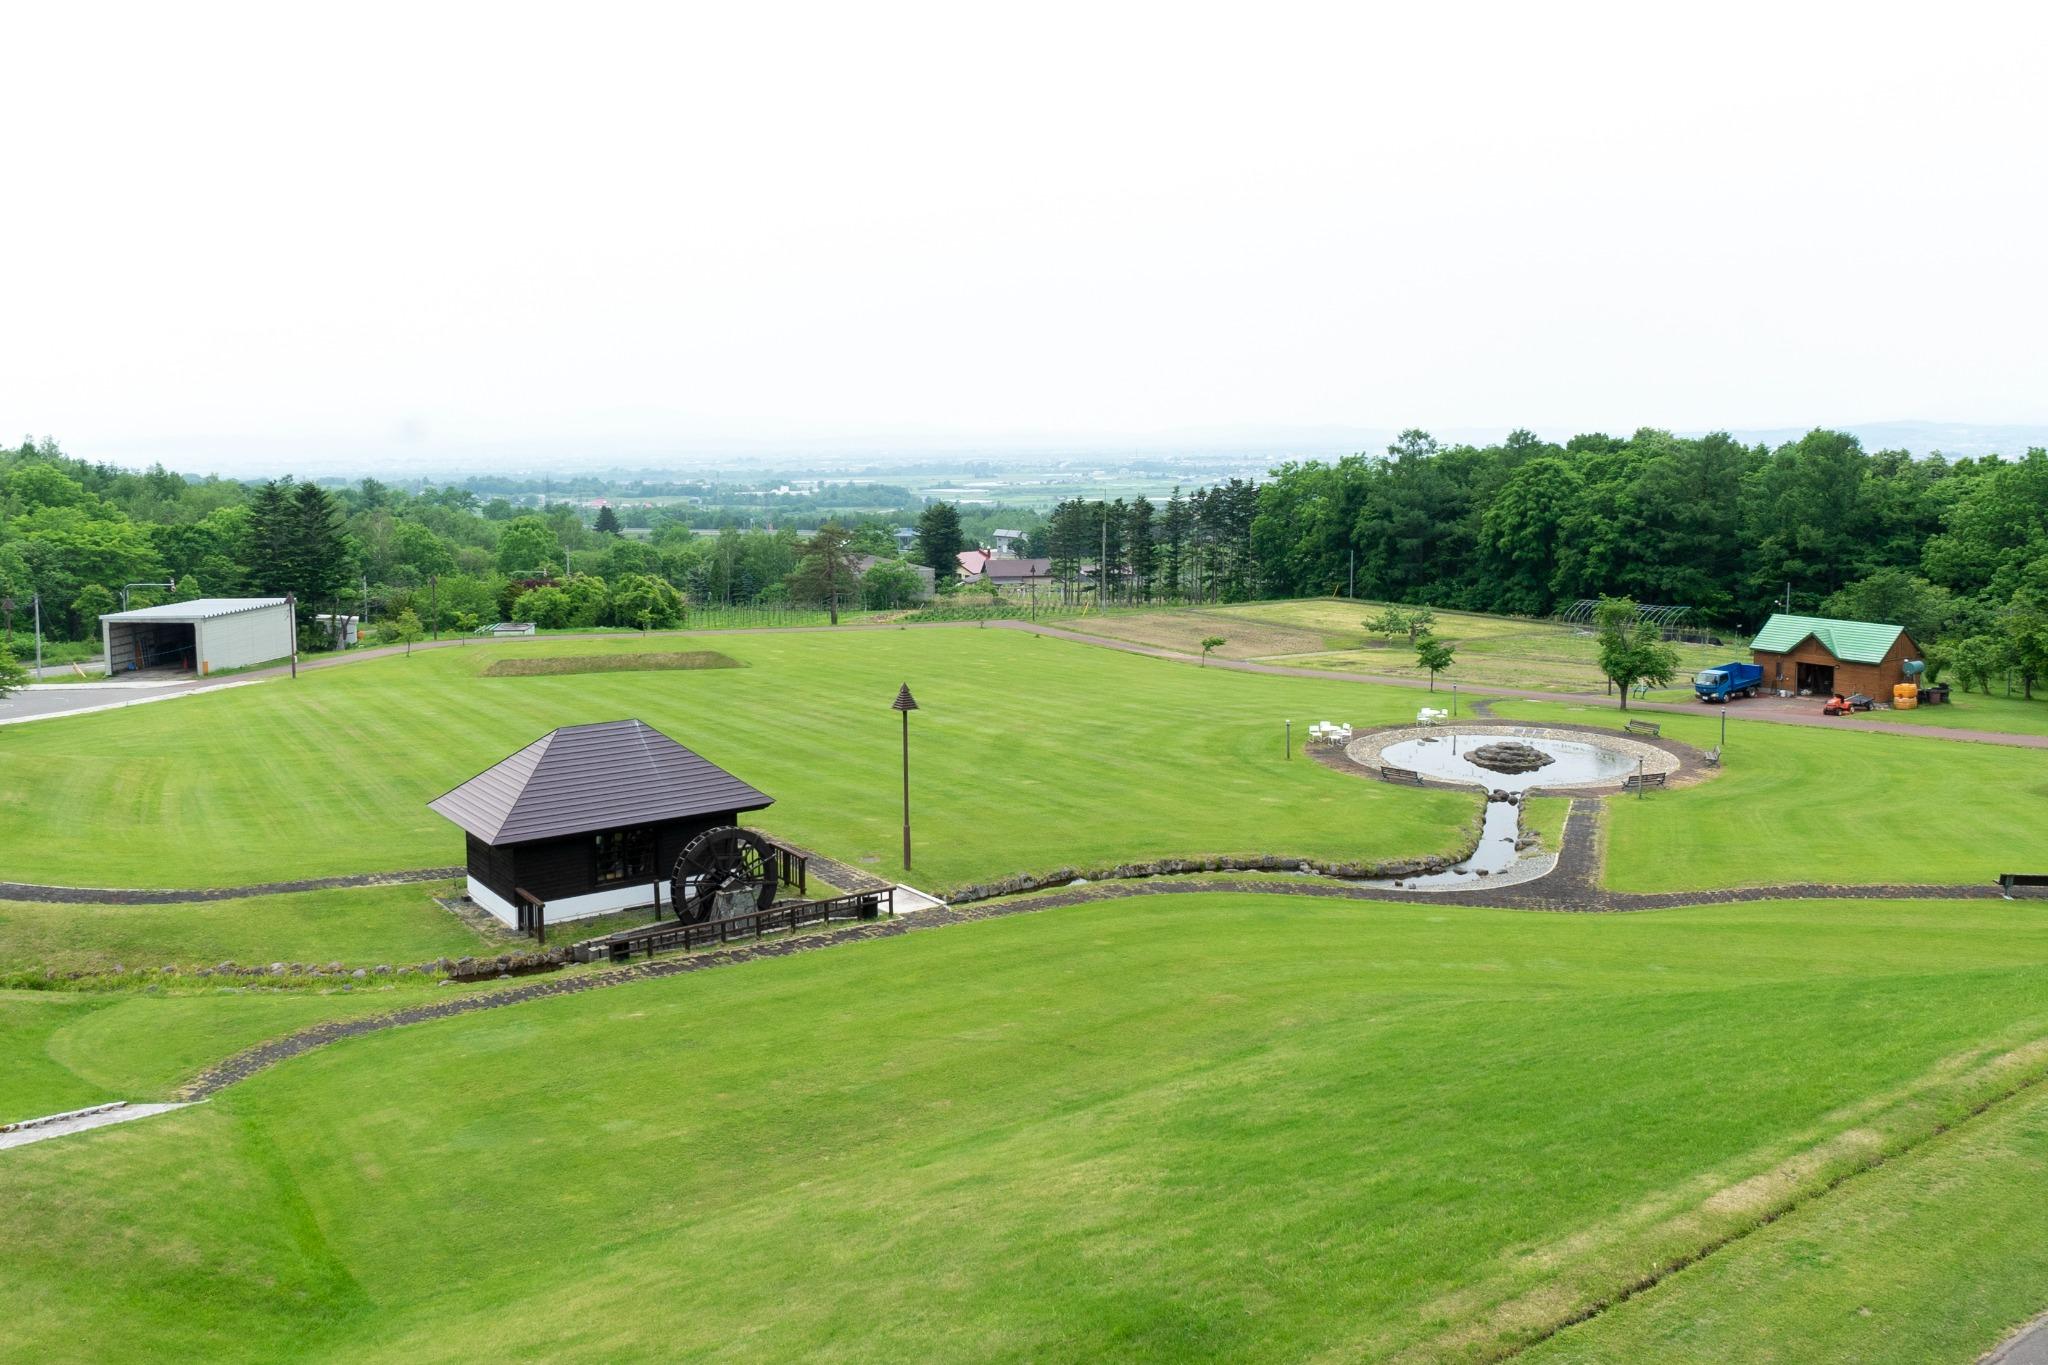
[(1818, 679)]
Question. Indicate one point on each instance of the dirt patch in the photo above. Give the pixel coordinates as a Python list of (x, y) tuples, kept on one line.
[(1185, 630), (610, 663)]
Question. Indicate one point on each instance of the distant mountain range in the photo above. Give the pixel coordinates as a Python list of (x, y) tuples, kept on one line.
[(1247, 450)]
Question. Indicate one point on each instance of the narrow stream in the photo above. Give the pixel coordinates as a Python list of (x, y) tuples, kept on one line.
[(1496, 861)]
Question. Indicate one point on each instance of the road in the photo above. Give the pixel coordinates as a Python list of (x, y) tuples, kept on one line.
[(44, 702)]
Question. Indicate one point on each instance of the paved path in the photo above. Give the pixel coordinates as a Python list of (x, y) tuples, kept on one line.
[(2028, 1346), (79, 1121)]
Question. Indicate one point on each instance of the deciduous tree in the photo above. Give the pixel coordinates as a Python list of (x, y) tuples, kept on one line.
[(1434, 655), (1632, 649)]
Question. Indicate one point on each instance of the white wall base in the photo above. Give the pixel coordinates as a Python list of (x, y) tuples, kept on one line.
[(569, 907)]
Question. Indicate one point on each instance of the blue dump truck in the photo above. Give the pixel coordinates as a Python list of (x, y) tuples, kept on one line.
[(1725, 682)]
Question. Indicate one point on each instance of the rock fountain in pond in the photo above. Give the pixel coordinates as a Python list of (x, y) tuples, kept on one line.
[(1508, 756)]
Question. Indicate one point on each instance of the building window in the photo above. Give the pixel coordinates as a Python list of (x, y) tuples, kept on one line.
[(625, 855)]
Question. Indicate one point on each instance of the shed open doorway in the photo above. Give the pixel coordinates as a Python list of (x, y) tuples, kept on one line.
[(150, 646), (1818, 679)]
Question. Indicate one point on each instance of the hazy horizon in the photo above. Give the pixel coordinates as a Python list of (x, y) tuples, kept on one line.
[(252, 240)]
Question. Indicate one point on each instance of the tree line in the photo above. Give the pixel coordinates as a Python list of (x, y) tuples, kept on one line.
[(1954, 549)]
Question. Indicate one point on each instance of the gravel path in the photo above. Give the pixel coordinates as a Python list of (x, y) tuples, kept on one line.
[(93, 895)]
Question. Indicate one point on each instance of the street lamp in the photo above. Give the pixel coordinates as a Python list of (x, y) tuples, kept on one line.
[(170, 584), (906, 704)]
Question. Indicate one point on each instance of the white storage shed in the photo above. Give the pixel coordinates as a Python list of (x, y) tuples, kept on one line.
[(202, 636)]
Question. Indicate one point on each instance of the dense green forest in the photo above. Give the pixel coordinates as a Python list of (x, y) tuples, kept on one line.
[(1957, 550)]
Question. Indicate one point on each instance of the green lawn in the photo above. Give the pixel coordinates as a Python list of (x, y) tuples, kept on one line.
[(358, 927), (1241, 1126), (1028, 754), (64, 1050), (1975, 711), (1914, 1262), (1806, 804)]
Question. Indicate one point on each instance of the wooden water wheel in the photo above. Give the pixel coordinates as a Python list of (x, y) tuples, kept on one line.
[(723, 872)]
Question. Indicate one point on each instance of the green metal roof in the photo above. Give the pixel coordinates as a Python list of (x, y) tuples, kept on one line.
[(1856, 642)]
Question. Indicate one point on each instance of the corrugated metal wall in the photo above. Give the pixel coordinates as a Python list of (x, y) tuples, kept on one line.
[(247, 637)]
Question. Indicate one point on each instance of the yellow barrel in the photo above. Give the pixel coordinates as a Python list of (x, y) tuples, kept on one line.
[(1905, 696)]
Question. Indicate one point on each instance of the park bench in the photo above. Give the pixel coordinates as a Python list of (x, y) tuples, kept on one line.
[(1389, 773), (1633, 783), (1431, 715), (2008, 880), (1714, 758), (1644, 727)]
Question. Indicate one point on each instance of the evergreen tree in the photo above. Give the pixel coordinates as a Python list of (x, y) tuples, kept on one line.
[(607, 521), (939, 540), (1069, 541), (320, 556), (1173, 543), (1109, 550), (827, 573), (1140, 553), (267, 541)]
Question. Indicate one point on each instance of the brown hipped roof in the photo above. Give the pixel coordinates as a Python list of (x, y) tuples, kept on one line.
[(584, 778)]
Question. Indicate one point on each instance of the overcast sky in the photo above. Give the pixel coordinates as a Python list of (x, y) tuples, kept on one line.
[(238, 236)]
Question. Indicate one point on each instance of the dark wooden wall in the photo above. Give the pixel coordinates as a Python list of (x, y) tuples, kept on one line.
[(554, 869)]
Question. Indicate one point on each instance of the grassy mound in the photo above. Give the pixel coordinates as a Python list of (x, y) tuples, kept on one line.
[(548, 666)]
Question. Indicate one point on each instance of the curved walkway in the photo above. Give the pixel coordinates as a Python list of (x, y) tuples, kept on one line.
[(92, 895), (1570, 887)]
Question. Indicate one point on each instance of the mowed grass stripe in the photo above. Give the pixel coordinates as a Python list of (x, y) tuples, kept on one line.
[(1029, 754), (1217, 1125)]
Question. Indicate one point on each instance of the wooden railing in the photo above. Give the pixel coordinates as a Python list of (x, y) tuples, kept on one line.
[(669, 936), (533, 915), (793, 868)]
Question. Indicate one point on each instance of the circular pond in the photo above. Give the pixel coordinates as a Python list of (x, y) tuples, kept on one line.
[(1517, 760)]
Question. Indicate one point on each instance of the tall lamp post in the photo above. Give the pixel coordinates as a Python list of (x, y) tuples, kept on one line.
[(906, 704)]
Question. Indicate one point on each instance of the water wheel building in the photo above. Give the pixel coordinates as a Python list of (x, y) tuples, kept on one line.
[(588, 819)]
